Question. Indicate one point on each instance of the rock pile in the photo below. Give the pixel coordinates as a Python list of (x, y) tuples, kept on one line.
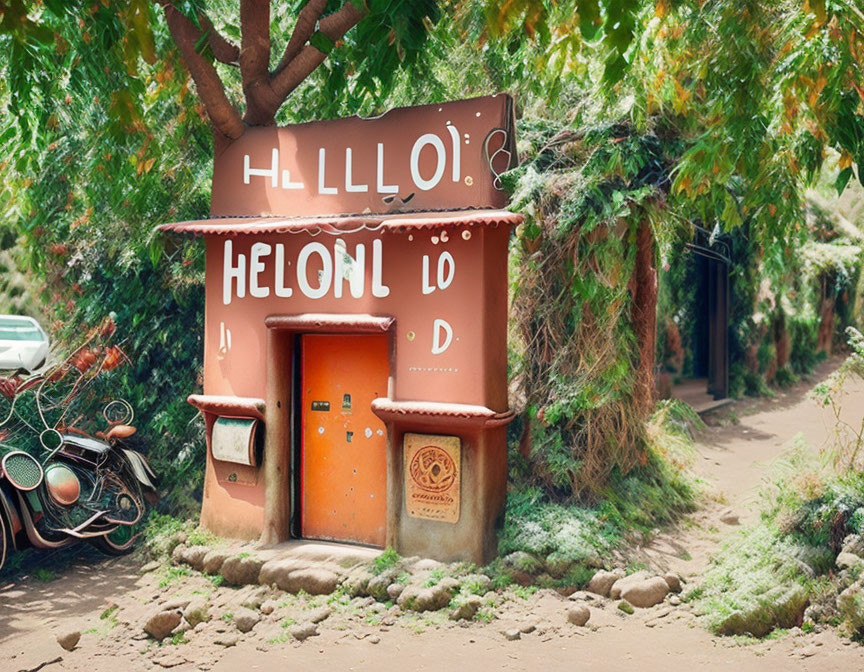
[(641, 589)]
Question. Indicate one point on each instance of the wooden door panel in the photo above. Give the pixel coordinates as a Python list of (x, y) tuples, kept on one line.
[(343, 472)]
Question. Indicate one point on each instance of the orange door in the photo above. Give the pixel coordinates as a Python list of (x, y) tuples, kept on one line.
[(343, 457)]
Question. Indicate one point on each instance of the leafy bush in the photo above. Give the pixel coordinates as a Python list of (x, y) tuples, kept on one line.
[(577, 534), (769, 572), (755, 585)]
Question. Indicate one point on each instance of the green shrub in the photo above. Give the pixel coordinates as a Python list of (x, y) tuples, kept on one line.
[(582, 532), (389, 559)]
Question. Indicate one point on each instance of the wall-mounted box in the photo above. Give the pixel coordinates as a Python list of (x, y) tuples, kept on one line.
[(235, 440)]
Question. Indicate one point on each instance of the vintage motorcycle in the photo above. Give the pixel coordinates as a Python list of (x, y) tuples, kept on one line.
[(60, 484)]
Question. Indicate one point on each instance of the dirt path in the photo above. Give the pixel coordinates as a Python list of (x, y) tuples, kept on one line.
[(734, 459)]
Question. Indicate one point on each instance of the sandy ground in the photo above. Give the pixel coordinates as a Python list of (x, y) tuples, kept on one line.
[(734, 459)]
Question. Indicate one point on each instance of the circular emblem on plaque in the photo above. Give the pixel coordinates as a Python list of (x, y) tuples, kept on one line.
[(432, 469)]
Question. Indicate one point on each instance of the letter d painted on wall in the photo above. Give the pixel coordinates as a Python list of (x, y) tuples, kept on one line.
[(438, 327)]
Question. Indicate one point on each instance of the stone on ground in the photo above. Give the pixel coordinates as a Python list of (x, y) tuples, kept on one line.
[(175, 603), (357, 582), (729, 517), (256, 597), (673, 581), (621, 584), (646, 593), (212, 561), (512, 634), (578, 614), (450, 584), (190, 555), (320, 614), (246, 619), (602, 582), (196, 611), (69, 639), (379, 586), (303, 631), (241, 571), (394, 590), (160, 624), (293, 576), (227, 639), (417, 598), (268, 607), (466, 608), (315, 581)]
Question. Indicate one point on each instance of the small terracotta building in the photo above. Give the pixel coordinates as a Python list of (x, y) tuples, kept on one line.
[(355, 364)]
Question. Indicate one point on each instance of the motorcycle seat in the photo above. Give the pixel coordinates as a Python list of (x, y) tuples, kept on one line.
[(120, 432), (86, 443)]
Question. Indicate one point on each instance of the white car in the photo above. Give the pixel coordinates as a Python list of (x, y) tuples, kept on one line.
[(23, 343)]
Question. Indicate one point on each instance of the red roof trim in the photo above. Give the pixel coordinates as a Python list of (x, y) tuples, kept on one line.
[(242, 407), (342, 224), (329, 322), (391, 410)]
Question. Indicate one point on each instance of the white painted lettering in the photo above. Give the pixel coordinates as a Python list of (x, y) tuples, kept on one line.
[(446, 260), (349, 268), (256, 267), (379, 289), (422, 141), (281, 290), (325, 277), (273, 173), (384, 188), (231, 272), (288, 184), (456, 143), (349, 185), (427, 288), (322, 167), (438, 327)]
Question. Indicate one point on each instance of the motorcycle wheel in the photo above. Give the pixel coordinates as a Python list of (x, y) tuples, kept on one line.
[(119, 542)]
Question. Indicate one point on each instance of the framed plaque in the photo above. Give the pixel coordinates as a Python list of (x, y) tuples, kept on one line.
[(433, 477)]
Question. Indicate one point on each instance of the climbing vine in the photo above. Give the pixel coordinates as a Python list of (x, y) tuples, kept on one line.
[(585, 195)]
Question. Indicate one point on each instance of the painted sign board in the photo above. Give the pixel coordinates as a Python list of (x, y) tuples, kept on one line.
[(432, 476), (432, 157)]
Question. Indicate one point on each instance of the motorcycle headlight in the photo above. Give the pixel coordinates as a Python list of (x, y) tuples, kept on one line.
[(23, 470), (62, 484)]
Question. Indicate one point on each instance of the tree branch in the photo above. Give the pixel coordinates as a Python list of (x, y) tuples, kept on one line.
[(223, 115), (303, 29), (261, 103), (223, 50), (333, 26)]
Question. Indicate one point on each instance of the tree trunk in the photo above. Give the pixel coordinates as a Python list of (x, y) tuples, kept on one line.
[(643, 287)]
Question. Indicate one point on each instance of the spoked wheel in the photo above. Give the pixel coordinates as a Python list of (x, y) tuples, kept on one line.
[(119, 542)]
